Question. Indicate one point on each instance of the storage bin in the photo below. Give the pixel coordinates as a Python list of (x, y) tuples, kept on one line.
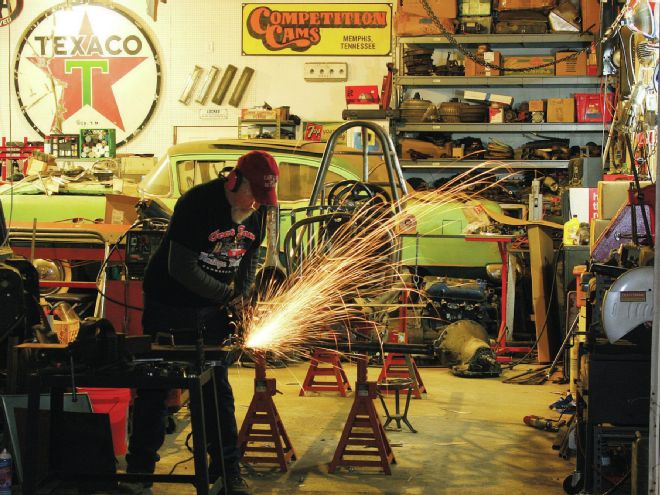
[(113, 402)]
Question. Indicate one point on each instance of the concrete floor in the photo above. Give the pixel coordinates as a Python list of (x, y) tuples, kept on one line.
[(471, 440)]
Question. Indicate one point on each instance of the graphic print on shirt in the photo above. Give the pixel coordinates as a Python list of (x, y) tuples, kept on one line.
[(227, 251)]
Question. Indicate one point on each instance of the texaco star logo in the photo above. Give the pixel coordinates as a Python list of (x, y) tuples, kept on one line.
[(9, 10), (89, 66)]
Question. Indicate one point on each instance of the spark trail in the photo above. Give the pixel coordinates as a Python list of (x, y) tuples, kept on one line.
[(357, 256)]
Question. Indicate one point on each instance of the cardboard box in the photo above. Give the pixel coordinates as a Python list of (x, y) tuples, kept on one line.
[(472, 69), (573, 67), (441, 8), (259, 114), (524, 61), (495, 115), (97, 143), (524, 4), (120, 209), (561, 110), (474, 8), (487, 97), (590, 13), (406, 24), (536, 106)]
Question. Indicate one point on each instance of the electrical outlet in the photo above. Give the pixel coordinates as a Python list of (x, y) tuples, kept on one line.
[(326, 71)]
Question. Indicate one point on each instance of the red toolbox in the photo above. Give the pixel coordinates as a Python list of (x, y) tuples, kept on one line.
[(593, 107)]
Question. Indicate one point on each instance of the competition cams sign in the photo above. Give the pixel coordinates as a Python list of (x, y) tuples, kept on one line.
[(317, 29), (87, 66)]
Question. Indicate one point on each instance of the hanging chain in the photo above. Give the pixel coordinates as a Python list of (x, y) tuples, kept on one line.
[(480, 60)]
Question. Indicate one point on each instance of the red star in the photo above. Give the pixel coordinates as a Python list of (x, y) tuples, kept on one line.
[(102, 96)]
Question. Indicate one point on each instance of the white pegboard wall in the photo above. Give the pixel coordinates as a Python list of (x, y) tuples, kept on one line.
[(204, 33)]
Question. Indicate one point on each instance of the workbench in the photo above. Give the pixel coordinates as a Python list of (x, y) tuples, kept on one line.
[(55, 385)]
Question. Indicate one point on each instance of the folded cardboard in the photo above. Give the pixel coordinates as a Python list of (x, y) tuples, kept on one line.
[(560, 110), (120, 209), (469, 94), (575, 66), (529, 61), (473, 69)]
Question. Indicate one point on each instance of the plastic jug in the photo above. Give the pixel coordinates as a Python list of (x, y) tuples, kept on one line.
[(571, 231), (5, 473)]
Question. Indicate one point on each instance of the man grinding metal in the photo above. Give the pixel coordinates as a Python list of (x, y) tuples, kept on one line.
[(206, 260)]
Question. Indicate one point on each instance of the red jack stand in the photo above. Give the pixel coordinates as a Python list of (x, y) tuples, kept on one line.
[(335, 369), (402, 366), (370, 434), (262, 411)]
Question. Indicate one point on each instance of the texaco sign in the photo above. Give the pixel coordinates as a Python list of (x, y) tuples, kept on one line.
[(88, 66)]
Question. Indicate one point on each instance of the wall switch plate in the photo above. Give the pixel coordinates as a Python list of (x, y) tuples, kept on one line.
[(326, 71)]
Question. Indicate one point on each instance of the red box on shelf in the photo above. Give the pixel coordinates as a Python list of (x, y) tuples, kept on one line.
[(592, 107), (362, 95)]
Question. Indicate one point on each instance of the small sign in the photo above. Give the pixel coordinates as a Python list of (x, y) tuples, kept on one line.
[(321, 131), (214, 113), (633, 296)]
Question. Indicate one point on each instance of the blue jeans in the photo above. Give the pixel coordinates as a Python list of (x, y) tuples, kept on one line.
[(149, 409)]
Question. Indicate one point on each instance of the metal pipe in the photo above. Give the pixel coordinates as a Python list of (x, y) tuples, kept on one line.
[(377, 347)]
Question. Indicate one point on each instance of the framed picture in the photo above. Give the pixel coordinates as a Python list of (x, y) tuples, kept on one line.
[(12, 402)]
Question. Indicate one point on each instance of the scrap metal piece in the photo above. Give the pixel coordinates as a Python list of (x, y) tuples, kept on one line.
[(225, 82), (241, 86)]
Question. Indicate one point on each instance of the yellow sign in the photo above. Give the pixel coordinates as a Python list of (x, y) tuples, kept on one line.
[(318, 29)]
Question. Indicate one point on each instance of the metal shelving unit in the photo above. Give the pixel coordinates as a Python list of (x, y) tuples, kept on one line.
[(275, 124), (560, 84), (449, 163), (496, 81), (513, 127), (550, 39)]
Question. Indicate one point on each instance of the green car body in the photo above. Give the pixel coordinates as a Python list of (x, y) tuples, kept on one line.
[(437, 242)]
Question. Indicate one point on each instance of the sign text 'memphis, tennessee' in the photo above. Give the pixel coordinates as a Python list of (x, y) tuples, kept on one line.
[(299, 30)]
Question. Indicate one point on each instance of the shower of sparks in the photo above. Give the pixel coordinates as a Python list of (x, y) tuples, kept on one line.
[(349, 259)]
